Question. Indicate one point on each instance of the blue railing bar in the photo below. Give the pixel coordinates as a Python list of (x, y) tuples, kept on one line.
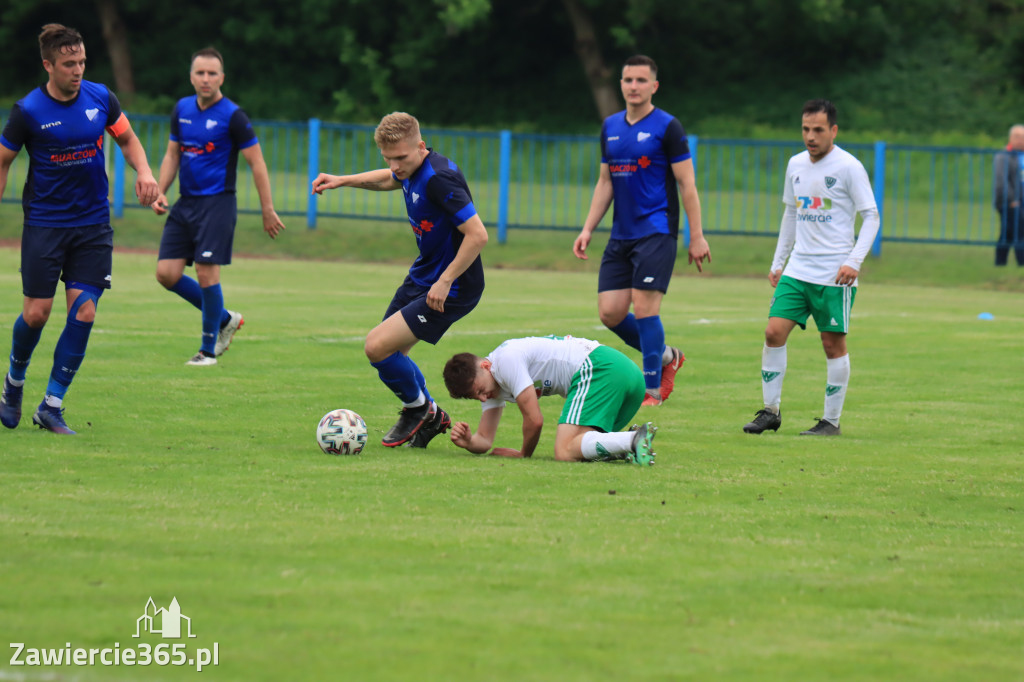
[(313, 169), (504, 175)]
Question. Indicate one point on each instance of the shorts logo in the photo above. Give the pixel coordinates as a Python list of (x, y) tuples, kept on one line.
[(207, 254), (91, 113), (833, 322), (830, 182), (640, 137), (422, 319), (210, 124), (832, 389), (648, 280), (107, 278)]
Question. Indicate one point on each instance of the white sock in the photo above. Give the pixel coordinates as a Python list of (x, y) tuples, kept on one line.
[(418, 402), (15, 383), (773, 370), (53, 401), (838, 376), (598, 445), (666, 356)]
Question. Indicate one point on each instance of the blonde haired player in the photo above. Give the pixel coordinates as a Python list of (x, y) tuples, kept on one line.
[(444, 283), (826, 187)]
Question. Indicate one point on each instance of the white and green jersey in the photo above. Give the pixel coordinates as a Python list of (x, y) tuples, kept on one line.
[(547, 363), (824, 197)]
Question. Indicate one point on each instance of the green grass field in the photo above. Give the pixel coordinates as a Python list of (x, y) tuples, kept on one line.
[(891, 553)]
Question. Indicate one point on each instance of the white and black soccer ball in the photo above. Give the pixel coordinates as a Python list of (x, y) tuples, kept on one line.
[(341, 432)]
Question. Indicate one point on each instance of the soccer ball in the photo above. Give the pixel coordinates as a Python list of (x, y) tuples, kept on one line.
[(341, 432)]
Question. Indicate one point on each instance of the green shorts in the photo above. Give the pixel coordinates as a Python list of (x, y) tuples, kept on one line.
[(605, 392), (830, 305)]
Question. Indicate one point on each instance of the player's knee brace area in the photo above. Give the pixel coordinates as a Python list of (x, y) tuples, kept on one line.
[(89, 293)]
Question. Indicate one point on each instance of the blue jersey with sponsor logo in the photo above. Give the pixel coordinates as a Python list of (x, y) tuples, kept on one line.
[(210, 140), (640, 157), (438, 201), (67, 178)]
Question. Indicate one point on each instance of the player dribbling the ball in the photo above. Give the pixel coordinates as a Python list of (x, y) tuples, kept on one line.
[(444, 283)]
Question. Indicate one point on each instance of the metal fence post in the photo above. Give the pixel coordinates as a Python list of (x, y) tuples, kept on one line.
[(313, 170), (118, 181), (504, 179), (692, 141), (878, 184)]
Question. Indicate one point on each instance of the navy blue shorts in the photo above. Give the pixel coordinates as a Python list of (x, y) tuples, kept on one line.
[(71, 254), (201, 229), (426, 323), (644, 263)]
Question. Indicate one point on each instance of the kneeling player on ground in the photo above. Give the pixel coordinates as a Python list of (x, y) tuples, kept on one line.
[(602, 387)]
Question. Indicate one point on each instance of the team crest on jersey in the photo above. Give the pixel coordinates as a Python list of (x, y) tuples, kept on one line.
[(415, 197), (210, 123), (640, 137), (91, 113), (830, 182)]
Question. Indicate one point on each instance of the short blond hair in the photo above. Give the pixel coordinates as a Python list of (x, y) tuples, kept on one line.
[(395, 127)]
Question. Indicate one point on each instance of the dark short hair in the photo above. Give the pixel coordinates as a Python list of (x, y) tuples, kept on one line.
[(816, 106), (642, 60), (460, 373), (56, 39), (208, 52)]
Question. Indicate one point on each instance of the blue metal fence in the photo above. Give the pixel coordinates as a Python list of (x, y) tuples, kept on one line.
[(530, 181)]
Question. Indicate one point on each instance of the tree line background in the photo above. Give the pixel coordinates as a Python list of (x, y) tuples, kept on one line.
[(912, 69)]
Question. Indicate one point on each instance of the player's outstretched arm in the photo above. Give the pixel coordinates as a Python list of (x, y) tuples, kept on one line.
[(168, 170), (481, 441), (380, 180), (533, 420), (145, 184), (272, 224), (6, 159), (472, 244), (599, 203), (686, 178)]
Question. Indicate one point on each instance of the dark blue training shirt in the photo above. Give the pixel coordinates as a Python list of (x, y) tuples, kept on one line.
[(438, 201), (67, 178), (210, 140), (640, 158)]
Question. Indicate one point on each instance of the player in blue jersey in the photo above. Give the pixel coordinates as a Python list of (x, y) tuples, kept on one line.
[(644, 156), (444, 283), (208, 131), (67, 234)]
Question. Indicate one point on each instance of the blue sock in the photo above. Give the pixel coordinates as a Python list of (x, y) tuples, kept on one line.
[(652, 342), (188, 289), (398, 373), (68, 356), (23, 342), (629, 331), (421, 380), (213, 313)]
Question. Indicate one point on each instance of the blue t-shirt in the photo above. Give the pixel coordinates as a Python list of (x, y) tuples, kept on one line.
[(438, 201), (640, 158), (210, 140), (67, 177)]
